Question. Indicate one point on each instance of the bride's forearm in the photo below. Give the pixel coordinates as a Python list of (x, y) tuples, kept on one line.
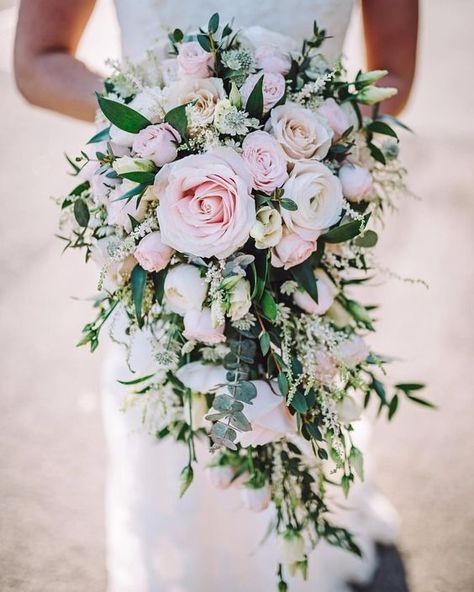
[(60, 82)]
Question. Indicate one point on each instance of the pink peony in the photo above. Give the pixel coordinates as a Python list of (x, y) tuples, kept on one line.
[(292, 250), (205, 204), (335, 116), (272, 59), (157, 143), (273, 88), (151, 253), (194, 61), (198, 327), (356, 182), (265, 161)]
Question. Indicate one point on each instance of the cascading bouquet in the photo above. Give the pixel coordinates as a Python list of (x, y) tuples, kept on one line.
[(227, 199)]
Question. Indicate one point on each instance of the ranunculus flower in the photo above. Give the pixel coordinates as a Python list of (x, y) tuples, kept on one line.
[(127, 164), (348, 410), (267, 230), (256, 500), (204, 93), (117, 271), (273, 88), (184, 288), (268, 415), (202, 378), (265, 161), (149, 104), (302, 133), (335, 116), (318, 195), (198, 326), (206, 208), (356, 182), (325, 299), (157, 142), (272, 59), (352, 351), (151, 253), (119, 210), (291, 250), (240, 301), (194, 61), (220, 475)]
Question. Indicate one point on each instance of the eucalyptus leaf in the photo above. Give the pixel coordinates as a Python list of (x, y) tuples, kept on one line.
[(288, 204), (367, 240)]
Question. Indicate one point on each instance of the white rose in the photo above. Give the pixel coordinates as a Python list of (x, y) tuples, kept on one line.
[(303, 134), (184, 289), (356, 182), (348, 410), (353, 351), (202, 378), (206, 92), (267, 230), (127, 164), (240, 301), (220, 475), (149, 104), (318, 195), (257, 36), (256, 500), (198, 326)]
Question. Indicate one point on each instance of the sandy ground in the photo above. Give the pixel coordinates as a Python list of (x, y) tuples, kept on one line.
[(51, 445)]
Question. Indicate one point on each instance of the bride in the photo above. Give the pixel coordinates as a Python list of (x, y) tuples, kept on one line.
[(206, 541)]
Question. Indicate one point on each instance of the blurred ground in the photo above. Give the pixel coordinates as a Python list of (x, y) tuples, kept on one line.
[(51, 445)]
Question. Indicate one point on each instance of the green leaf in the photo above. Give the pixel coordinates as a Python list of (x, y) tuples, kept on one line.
[(346, 484), (376, 153), (345, 232), (186, 478), (254, 105), (136, 380), (392, 408), (304, 275), (323, 455), (245, 391), (159, 284), (379, 388), (367, 240), (283, 384), (409, 386), (239, 421), (80, 188), (204, 42), (178, 119), (299, 403), (395, 121), (259, 270), (264, 343), (359, 313), (138, 281), (379, 127), (122, 116), (421, 401), (142, 177), (100, 136), (268, 305), (357, 462), (213, 24), (81, 212), (288, 204), (131, 193)]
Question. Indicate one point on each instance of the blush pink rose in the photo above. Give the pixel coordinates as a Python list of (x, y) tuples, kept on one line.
[(152, 254), (325, 299), (291, 250), (157, 143), (335, 116), (353, 351), (265, 161), (272, 59), (205, 207), (273, 88), (198, 327), (356, 182), (194, 61)]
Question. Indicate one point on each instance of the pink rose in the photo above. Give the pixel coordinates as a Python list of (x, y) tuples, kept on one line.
[(157, 143), (205, 204), (198, 327), (325, 299), (273, 88), (335, 116), (256, 500), (151, 253), (119, 210), (268, 415), (194, 61), (353, 351), (292, 250), (265, 161), (272, 59), (356, 182)]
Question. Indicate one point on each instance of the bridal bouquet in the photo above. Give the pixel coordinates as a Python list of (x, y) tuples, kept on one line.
[(230, 198)]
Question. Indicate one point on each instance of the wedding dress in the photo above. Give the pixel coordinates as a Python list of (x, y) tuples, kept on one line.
[(207, 541)]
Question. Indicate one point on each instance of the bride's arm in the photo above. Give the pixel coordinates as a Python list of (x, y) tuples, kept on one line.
[(391, 32), (46, 71)]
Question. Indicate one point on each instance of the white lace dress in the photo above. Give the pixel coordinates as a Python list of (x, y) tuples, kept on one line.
[(207, 541)]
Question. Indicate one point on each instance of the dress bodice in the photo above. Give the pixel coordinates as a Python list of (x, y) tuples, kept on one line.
[(143, 21)]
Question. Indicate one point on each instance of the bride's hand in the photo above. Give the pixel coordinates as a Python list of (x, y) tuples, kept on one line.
[(46, 71)]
